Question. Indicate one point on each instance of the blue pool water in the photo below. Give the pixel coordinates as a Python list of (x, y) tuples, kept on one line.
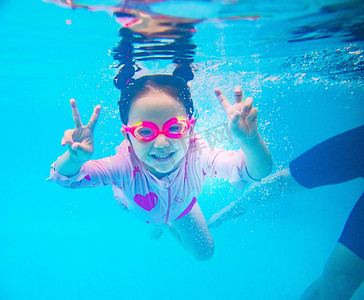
[(78, 244)]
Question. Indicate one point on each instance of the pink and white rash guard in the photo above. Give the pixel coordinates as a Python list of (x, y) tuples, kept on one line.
[(156, 200)]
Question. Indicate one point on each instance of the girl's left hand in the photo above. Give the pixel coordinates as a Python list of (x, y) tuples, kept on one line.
[(241, 116)]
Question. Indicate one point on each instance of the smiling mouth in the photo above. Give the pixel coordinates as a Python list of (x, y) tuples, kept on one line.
[(162, 157)]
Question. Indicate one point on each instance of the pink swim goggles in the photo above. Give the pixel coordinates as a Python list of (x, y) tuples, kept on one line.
[(147, 131)]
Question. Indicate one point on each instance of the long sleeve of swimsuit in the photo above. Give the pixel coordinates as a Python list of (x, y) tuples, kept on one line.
[(110, 170), (161, 200), (220, 163), (204, 162)]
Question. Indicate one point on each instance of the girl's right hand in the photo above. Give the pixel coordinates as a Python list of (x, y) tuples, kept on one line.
[(81, 139)]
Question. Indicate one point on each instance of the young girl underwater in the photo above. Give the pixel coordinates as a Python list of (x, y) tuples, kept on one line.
[(161, 166)]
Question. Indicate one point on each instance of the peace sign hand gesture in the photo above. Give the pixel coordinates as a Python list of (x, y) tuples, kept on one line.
[(81, 139), (242, 117)]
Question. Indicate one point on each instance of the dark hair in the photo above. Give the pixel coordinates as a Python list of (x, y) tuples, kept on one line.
[(171, 85)]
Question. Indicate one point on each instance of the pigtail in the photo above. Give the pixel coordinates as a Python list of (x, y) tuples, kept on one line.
[(124, 54), (125, 74), (185, 71)]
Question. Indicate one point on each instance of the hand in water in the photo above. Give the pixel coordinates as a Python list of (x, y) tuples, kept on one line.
[(241, 116), (81, 139)]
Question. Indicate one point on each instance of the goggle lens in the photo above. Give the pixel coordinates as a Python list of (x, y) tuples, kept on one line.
[(144, 132), (178, 128)]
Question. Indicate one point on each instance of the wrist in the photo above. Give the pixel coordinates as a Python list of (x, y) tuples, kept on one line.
[(249, 142), (68, 164)]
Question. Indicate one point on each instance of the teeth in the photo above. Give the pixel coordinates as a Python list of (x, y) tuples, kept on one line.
[(161, 156)]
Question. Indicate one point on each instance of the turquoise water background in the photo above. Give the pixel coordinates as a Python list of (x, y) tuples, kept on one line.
[(78, 244)]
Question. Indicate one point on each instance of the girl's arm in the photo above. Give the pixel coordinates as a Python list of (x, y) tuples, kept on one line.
[(243, 125), (74, 169), (258, 159), (80, 141)]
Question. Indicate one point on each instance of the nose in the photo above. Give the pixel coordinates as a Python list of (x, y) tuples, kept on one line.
[(161, 141)]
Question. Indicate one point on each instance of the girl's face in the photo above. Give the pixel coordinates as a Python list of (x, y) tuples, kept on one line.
[(162, 155)]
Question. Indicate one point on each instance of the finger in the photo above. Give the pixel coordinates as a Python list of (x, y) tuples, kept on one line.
[(248, 103), (252, 116), (67, 137), (76, 146), (75, 113), (225, 104), (95, 116), (238, 94)]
